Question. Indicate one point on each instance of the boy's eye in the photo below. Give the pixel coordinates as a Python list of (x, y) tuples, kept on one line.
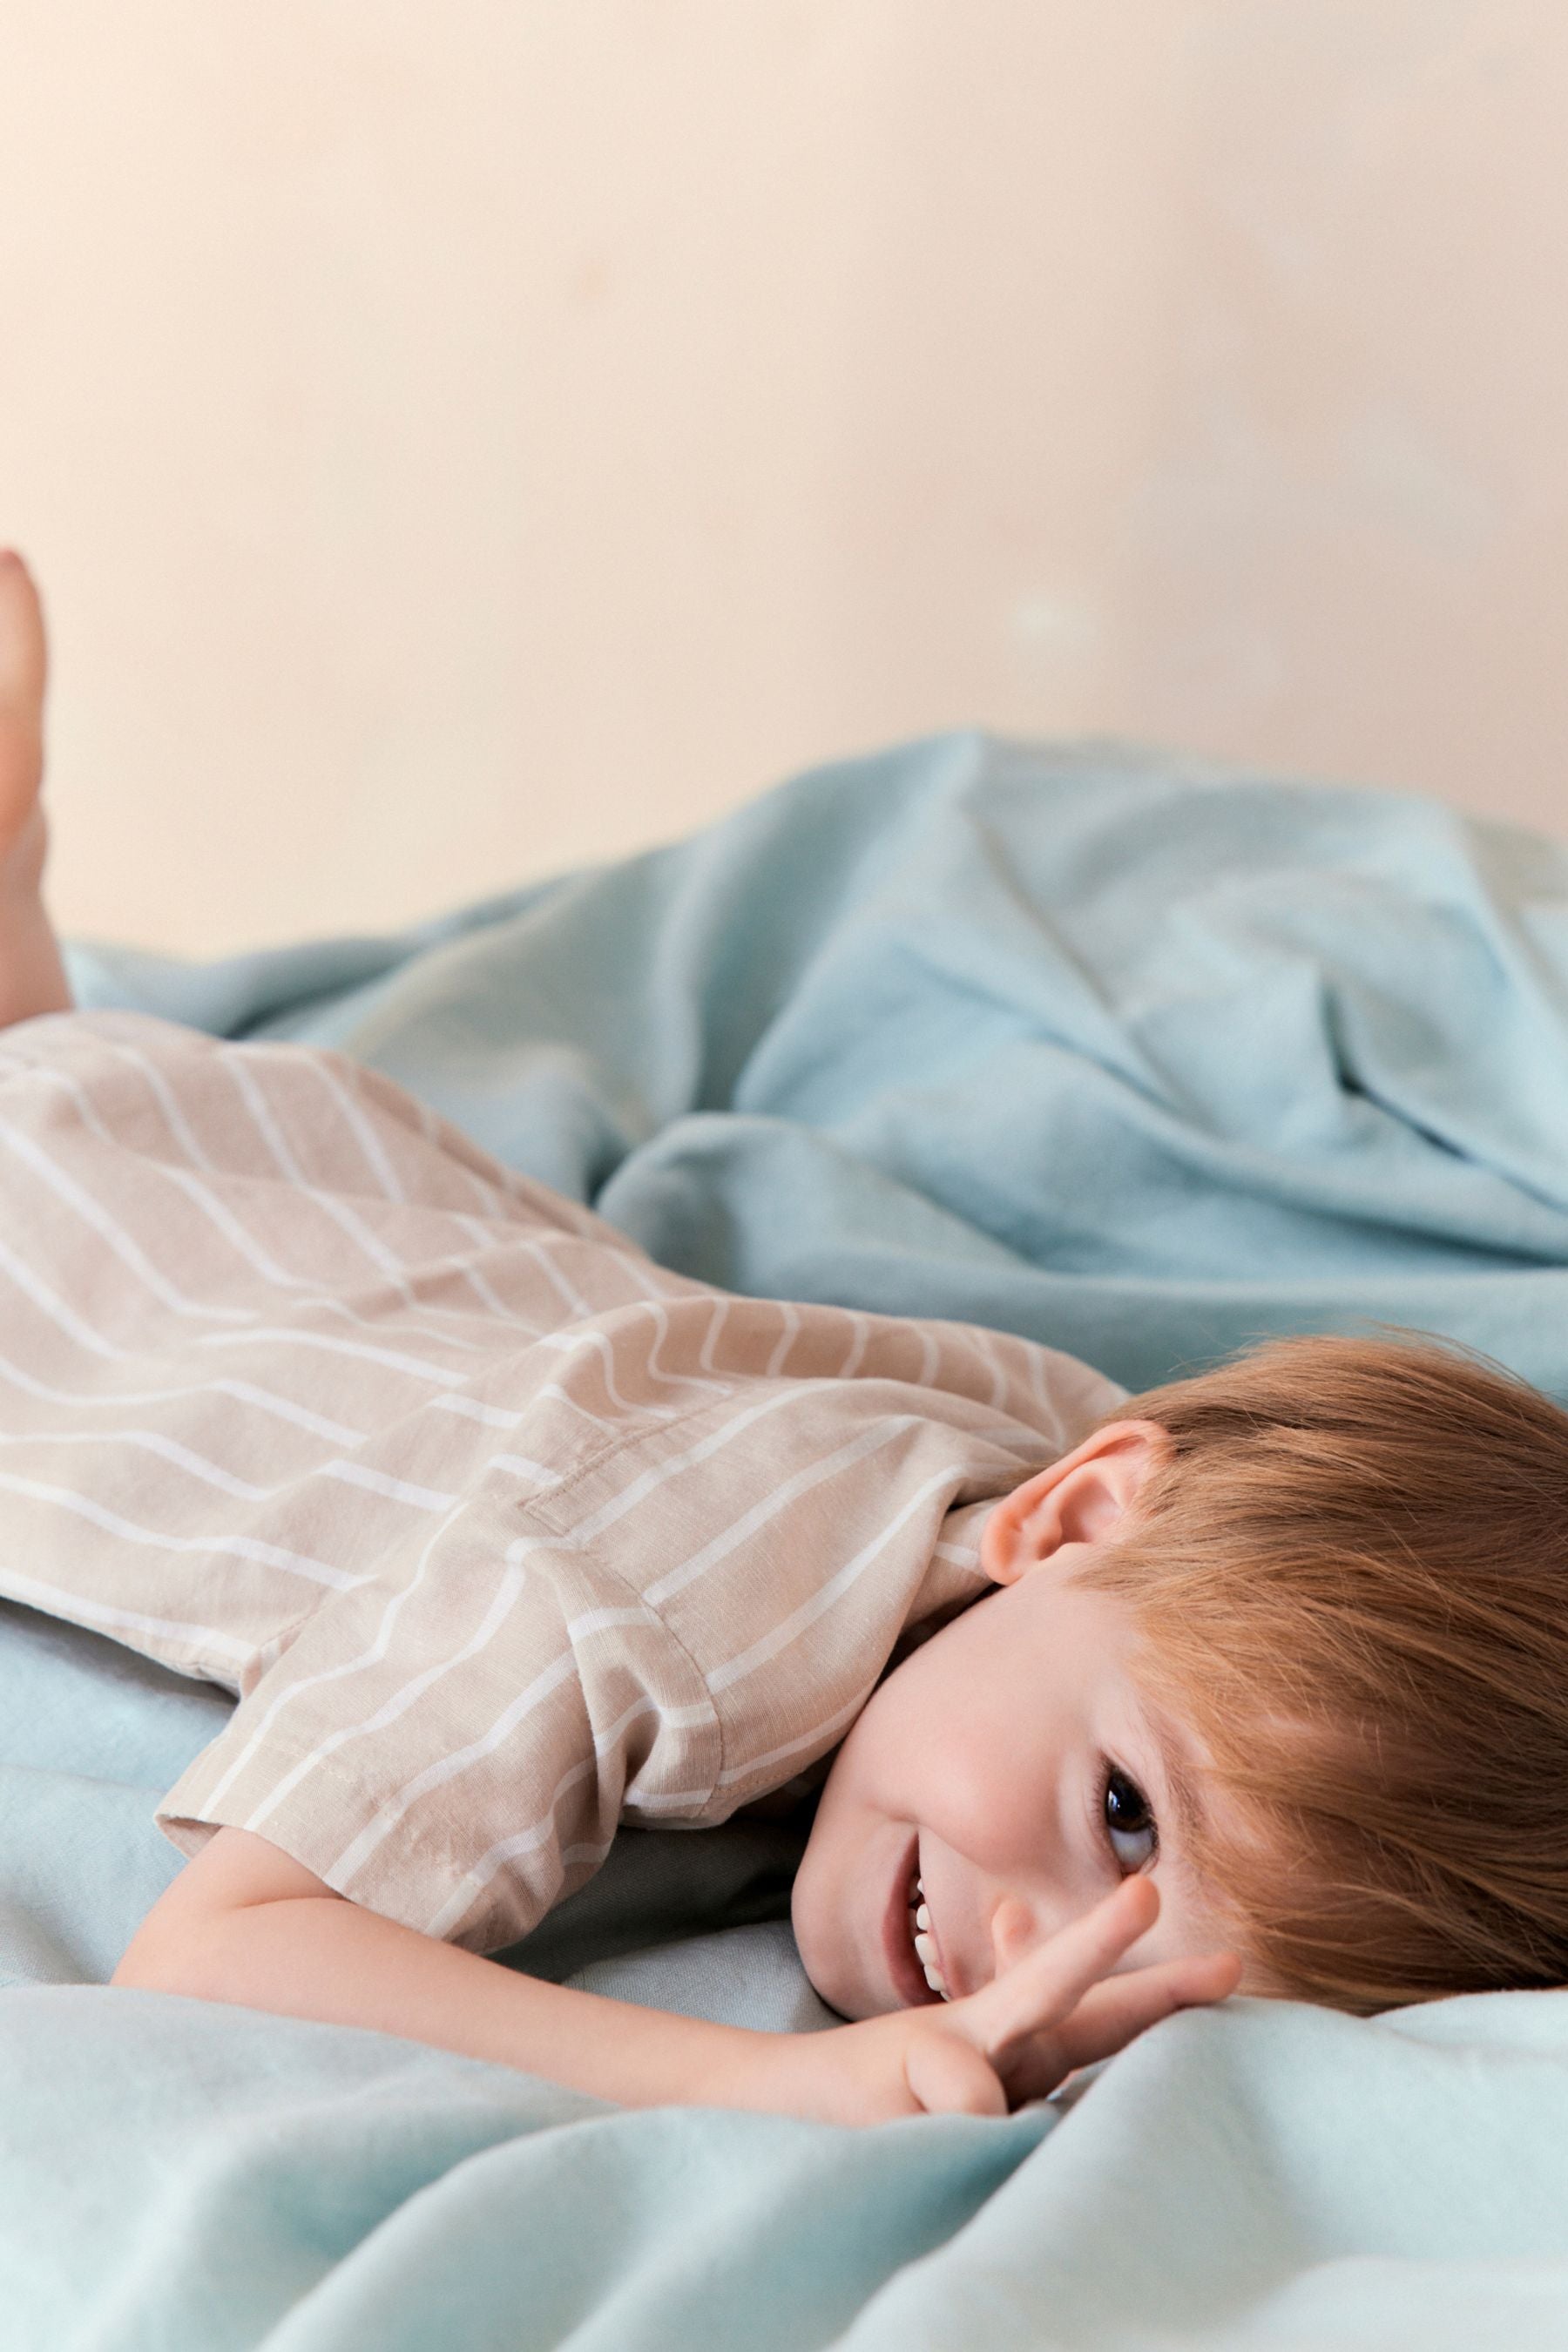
[(1128, 1824)]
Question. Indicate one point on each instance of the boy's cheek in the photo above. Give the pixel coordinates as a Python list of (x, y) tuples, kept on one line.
[(812, 1919)]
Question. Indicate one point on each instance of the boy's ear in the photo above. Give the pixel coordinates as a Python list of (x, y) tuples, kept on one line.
[(1078, 1499)]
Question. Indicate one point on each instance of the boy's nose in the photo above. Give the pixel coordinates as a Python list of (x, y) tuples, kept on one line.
[(1019, 1926), (1013, 1934)]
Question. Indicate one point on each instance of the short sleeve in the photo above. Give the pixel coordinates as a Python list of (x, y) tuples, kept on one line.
[(454, 1750)]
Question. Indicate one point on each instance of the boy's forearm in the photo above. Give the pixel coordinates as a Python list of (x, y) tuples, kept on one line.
[(338, 1962)]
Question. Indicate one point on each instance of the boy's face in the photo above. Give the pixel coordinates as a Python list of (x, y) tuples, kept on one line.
[(1009, 1760)]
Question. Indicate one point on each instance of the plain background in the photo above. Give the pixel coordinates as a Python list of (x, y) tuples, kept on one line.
[(458, 442)]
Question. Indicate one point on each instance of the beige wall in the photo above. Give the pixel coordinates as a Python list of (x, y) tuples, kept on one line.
[(461, 440)]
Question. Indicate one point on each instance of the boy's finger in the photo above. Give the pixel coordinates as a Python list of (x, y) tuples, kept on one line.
[(948, 2076), (1035, 1996), (1112, 2014)]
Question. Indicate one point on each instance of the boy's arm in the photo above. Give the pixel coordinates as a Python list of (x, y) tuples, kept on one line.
[(245, 1923)]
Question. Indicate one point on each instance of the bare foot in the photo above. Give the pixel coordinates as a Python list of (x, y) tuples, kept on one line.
[(24, 669), (32, 976)]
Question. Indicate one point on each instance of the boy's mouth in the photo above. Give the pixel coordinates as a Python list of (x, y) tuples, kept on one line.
[(908, 1944)]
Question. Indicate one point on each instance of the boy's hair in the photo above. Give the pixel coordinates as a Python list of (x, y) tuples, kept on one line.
[(1350, 1575)]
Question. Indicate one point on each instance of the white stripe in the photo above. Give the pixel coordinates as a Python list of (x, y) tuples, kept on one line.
[(556, 1208), (493, 1202), (522, 1467), (58, 1602), (958, 1555), (46, 1073), (999, 1380), (477, 1880), (862, 1330), (489, 1232), (473, 1883), (1020, 1438), (472, 1410), (330, 1205), (233, 1232), (49, 1303), (223, 1220), (676, 1379), (267, 1127), (574, 1343), (353, 1857), (364, 1134), (392, 1357), (670, 1719), (179, 1125), (285, 1410), (505, 1601), (823, 1732), (599, 1621), (747, 1661), (563, 1396), (319, 1571), (499, 1417), (790, 1317), (204, 1199), (151, 1443), (128, 1251), (539, 1250), (644, 1485), (595, 1853), (870, 1441), (489, 1242), (396, 1490), (716, 1322), (376, 1650), (307, 1291)]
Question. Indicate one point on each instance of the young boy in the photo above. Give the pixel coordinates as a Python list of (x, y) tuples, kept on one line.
[(502, 1534)]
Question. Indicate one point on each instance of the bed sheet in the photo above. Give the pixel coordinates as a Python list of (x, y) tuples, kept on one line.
[(1134, 1057)]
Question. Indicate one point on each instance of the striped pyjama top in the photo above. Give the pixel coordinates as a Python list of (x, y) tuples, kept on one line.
[(500, 1533)]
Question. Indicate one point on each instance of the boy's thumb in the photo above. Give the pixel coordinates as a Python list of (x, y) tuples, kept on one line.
[(949, 2076)]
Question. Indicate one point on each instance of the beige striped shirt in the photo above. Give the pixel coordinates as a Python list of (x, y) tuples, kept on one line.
[(500, 1532)]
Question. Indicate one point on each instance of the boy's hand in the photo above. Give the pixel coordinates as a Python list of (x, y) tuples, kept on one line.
[(1017, 2039)]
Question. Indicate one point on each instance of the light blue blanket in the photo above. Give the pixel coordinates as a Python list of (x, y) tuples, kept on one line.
[(1137, 1060)]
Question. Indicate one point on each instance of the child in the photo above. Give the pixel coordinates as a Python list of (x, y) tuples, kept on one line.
[(502, 1534)]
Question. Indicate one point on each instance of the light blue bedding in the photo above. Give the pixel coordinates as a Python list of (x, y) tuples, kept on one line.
[(1139, 1060)]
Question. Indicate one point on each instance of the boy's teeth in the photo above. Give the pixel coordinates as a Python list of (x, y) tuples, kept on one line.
[(925, 1952), (925, 1947)]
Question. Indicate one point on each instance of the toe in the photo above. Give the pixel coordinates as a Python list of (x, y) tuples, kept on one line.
[(22, 665), (23, 660)]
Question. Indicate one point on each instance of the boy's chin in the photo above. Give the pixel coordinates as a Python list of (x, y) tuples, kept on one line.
[(831, 1971), (838, 1996)]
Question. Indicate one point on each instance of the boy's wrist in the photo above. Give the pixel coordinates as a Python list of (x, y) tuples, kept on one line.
[(806, 2074)]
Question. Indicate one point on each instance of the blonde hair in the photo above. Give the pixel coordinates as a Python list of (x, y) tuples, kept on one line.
[(1350, 1572)]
